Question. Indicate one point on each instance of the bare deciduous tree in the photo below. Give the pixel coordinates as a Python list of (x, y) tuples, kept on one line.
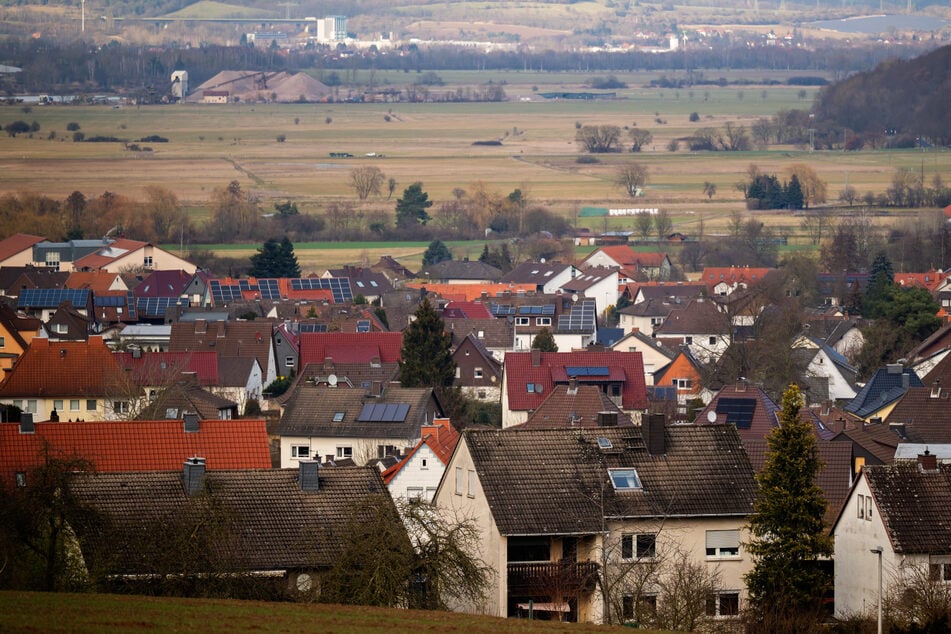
[(367, 180), (631, 177), (598, 139)]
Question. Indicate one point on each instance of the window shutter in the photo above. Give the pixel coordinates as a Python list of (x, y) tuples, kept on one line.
[(723, 539)]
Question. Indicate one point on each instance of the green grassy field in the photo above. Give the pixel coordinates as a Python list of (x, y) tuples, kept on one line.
[(94, 613)]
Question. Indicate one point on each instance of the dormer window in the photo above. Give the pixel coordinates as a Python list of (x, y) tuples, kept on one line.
[(338, 417), (625, 479)]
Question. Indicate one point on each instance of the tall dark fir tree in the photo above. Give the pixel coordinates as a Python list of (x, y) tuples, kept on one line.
[(427, 351), (275, 259)]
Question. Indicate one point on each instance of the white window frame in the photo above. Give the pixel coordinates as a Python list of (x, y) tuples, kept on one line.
[(471, 483), (147, 262), (720, 544), (543, 321), (344, 451), (74, 404), (625, 480), (289, 362), (717, 604), (458, 480), (58, 405), (298, 454), (632, 548), (523, 321), (478, 373)]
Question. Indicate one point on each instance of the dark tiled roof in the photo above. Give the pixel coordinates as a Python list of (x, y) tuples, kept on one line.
[(496, 333), (163, 284), (551, 482), (272, 523), (915, 505), (835, 474), (886, 386), (878, 440), (567, 408), (249, 339), (137, 445), (460, 270), (764, 414), (941, 373), (160, 368), (587, 278), (175, 400), (535, 272), (310, 412), (697, 317), (925, 413), (666, 290)]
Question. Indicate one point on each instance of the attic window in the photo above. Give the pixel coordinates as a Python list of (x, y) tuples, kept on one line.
[(605, 443), (625, 479), (338, 417)]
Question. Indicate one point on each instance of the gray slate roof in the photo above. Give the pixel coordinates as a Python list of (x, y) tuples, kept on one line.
[(273, 524), (552, 482)]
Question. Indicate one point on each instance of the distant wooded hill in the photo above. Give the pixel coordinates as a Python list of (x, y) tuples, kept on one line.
[(900, 102)]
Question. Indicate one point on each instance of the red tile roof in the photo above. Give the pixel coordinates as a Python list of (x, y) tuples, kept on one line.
[(441, 437), (157, 445), (350, 347), (94, 280), (472, 292), (519, 370), (930, 280), (626, 256), (63, 369), (17, 243), (713, 275), (157, 368), (470, 310)]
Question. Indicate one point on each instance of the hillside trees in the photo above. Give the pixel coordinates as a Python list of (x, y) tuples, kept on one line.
[(275, 259), (367, 180), (639, 137), (598, 139), (234, 215), (411, 207), (631, 177), (436, 252)]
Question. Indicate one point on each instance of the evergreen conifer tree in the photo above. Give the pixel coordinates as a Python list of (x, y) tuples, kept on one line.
[(788, 535), (436, 252), (275, 259), (544, 341), (427, 351), (411, 208)]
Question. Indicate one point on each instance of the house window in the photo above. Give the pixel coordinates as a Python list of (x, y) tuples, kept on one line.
[(723, 543), (683, 383), (646, 605), (120, 407), (91, 405), (529, 387), (74, 404), (289, 362), (424, 464), (860, 507), (414, 493), (640, 546), (688, 340), (713, 341), (522, 321), (3, 342), (300, 451), (477, 373), (458, 372), (940, 572), (147, 262), (657, 321), (345, 452), (21, 478), (481, 394), (338, 416), (382, 451), (543, 321), (625, 479), (58, 405), (868, 508), (458, 480), (52, 259), (723, 604), (59, 329), (472, 483)]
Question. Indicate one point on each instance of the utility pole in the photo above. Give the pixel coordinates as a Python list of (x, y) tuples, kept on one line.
[(83, 20)]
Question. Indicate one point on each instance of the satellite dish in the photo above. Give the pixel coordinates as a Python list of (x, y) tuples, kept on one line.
[(574, 297), (712, 416), (332, 380)]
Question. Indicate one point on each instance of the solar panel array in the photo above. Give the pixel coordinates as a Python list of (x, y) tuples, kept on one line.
[(156, 306), (339, 286), (313, 327), (269, 288), (363, 325), (581, 370), (502, 310), (224, 293), (739, 411), (126, 302), (52, 297), (582, 317), (384, 413), (547, 309)]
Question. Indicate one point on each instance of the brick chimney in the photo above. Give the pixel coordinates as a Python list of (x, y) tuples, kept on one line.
[(190, 421), (308, 475), (927, 462), (653, 428), (536, 357)]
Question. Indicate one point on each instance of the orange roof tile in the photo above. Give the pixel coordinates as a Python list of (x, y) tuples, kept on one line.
[(63, 369), (156, 445), (99, 281), (17, 243), (472, 292)]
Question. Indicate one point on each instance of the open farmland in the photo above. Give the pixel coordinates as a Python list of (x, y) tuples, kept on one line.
[(210, 145)]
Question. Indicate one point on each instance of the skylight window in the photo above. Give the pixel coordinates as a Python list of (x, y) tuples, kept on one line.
[(604, 443), (338, 417), (625, 479)]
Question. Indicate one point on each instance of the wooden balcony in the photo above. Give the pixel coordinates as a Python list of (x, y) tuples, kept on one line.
[(552, 577)]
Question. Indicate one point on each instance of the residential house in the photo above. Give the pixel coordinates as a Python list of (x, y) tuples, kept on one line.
[(685, 375), (417, 475), (597, 283), (363, 281), (901, 509), (460, 272), (843, 334), (922, 415), (638, 292), (530, 376), (229, 339), (286, 527), (835, 288), (15, 279), (828, 371), (395, 272), (127, 446), (80, 380), (578, 328), (122, 254), (187, 397), (647, 316), (144, 337), (548, 277), (286, 337), (16, 333), (241, 380), (639, 265), (17, 250), (497, 336), (655, 354), (575, 406), (342, 422), (931, 352), (97, 281), (723, 281), (350, 347), (872, 444), (69, 324), (478, 373), (601, 503), (876, 399), (463, 291), (42, 303), (700, 326)]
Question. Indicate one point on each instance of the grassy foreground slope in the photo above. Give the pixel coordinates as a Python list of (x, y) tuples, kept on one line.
[(50, 612)]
